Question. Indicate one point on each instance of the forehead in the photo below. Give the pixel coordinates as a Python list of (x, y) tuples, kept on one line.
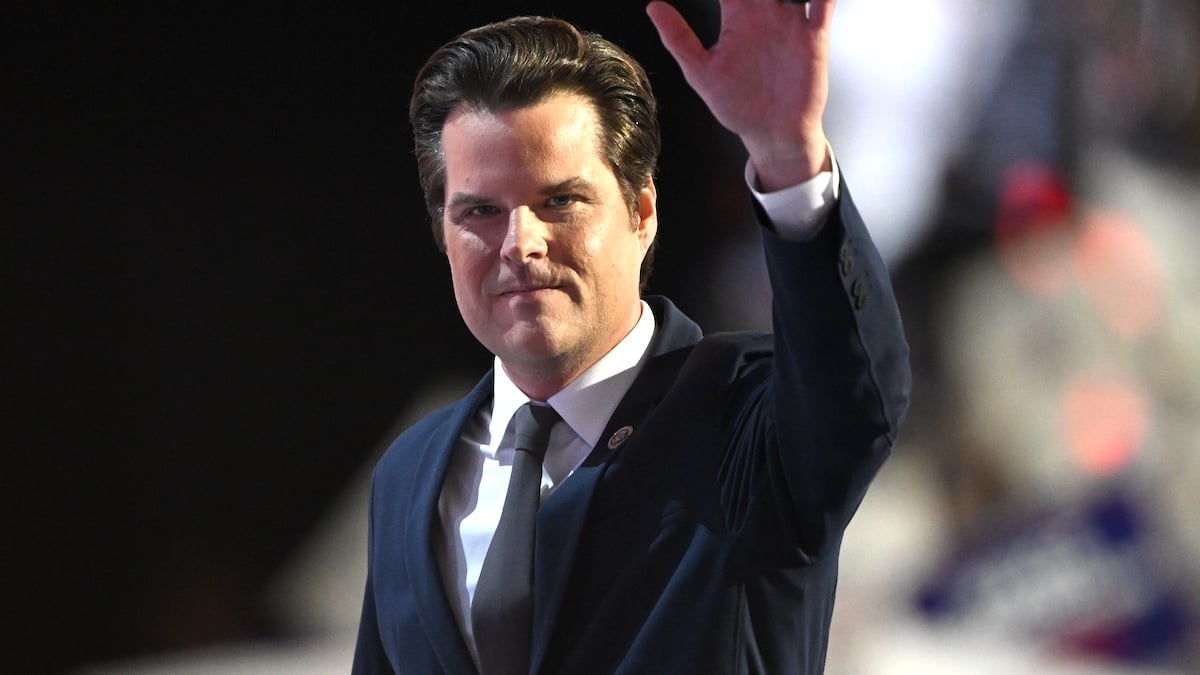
[(561, 126)]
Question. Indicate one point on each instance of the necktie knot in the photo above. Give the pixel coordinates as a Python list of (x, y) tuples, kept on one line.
[(532, 425)]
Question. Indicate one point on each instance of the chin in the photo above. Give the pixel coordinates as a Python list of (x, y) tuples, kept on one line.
[(525, 342)]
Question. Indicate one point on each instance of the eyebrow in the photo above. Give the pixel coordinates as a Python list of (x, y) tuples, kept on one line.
[(573, 184), (466, 198)]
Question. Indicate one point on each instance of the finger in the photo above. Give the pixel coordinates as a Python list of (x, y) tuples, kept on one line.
[(678, 38), (820, 14)]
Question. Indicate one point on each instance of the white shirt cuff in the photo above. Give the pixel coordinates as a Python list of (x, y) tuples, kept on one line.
[(798, 212)]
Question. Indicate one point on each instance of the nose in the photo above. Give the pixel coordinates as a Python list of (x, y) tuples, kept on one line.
[(526, 236)]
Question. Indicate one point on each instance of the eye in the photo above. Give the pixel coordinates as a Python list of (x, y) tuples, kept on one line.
[(480, 211), (561, 201)]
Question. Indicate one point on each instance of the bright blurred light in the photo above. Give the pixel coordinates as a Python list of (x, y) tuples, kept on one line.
[(1120, 274), (907, 79), (1104, 418)]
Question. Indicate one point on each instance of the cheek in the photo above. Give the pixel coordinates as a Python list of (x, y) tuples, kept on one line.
[(468, 268), (618, 258), (467, 253)]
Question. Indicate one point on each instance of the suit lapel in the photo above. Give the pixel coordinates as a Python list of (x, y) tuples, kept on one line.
[(420, 557), (560, 519)]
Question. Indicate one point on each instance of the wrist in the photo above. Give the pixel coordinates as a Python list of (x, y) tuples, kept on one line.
[(782, 165)]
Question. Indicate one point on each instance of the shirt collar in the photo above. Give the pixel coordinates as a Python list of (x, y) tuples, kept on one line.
[(587, 403)]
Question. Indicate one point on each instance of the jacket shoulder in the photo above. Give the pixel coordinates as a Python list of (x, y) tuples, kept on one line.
[(736, 349), (403, 450)]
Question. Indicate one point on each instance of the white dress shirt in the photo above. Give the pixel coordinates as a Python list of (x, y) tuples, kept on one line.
[(472, 496)]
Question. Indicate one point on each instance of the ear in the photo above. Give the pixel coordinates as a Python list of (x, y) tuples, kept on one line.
[(647, 215)]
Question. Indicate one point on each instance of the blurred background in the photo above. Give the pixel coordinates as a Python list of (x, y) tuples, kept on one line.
[(222, 301)]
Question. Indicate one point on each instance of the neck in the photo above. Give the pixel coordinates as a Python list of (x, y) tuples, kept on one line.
[(540, 383)]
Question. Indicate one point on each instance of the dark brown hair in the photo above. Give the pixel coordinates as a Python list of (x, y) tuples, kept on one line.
[(520, 62)]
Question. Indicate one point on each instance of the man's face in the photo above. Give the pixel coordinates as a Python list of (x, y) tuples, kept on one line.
[(544, 252)]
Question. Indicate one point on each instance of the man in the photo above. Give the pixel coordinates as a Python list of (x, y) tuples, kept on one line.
[(695, 488)]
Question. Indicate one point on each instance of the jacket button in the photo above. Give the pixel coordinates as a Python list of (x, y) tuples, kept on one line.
[(846, 258), (860, 290)]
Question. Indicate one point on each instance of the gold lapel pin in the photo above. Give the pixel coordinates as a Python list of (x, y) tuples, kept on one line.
[(620, 436)]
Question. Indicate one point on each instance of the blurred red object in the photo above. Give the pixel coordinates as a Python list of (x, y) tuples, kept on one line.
[(1033, 228)]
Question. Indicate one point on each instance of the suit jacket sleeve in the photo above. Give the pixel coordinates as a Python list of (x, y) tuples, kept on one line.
[(838, 386)]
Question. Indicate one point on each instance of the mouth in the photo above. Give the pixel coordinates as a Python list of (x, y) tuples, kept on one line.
[(526, 291), (526, 283)]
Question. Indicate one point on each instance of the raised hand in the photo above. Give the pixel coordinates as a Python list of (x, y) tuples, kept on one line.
[(766, 79)]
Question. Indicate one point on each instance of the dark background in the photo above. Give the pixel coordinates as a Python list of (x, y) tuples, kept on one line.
[(221, 290)]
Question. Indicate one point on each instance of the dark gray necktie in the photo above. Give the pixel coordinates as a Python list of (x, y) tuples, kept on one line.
[(502, 609)]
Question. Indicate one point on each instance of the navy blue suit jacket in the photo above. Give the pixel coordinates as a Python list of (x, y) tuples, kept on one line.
[(708, 541)]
